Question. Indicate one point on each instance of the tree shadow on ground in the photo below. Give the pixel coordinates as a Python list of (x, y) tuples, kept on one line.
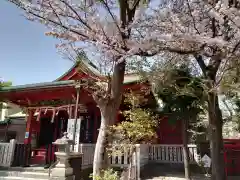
[(154, 170)]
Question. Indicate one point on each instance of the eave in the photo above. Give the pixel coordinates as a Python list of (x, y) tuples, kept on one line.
[(37, 86), (128, 80)]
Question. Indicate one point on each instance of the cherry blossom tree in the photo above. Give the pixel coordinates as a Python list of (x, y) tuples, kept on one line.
[(105, 26), (206, 30)]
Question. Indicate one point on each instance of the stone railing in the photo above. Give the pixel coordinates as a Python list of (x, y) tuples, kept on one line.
[(116, 160), (172, 153), (144, 153)]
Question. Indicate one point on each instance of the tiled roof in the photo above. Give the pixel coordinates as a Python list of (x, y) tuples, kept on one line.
[(39, 85), (131, 78)]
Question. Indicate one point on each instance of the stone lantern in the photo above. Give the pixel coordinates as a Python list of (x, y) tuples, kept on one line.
[(64, 144), (63, 169)]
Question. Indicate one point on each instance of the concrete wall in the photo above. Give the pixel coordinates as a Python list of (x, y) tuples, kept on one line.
[(12, 109), (2, 111), (17, 126)]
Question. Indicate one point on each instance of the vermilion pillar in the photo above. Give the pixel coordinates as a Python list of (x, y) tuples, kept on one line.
[(29, 127)]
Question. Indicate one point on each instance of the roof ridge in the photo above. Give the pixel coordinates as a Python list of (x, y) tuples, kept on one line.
[(84, 61), (68, 71)]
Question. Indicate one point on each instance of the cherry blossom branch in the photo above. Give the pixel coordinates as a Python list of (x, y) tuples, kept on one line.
[(194, 38), (193, 19), (56, 14), (169, 49), (75, 12), (46, 19), (111, 14)]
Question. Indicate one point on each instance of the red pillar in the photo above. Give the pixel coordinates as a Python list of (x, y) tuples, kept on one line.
[(29, 126)]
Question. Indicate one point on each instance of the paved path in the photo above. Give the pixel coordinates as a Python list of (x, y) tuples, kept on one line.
[(158, 171), (178, 177), (193, 178)]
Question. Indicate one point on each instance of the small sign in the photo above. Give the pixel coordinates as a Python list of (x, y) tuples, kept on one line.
[(206, 161), (70, 130), (26, 135)]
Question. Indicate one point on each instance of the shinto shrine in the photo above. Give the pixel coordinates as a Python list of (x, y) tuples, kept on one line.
[(50, 107)]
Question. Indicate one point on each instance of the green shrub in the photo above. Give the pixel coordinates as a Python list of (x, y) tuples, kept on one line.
[(108, 174)]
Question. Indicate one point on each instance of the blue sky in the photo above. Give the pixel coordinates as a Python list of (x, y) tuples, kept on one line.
[(26, 54)]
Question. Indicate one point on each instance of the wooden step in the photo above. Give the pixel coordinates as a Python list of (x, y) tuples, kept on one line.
[(38, 159)]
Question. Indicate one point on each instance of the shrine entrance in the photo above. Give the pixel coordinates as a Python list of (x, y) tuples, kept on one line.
[(46, 135), (46, 129)]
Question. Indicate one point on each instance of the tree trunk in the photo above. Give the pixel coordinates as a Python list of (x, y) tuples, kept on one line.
[(109, 108), (98, 163), (132, 151), (130, 169), (185, 149), (214, 115), (216, 139)]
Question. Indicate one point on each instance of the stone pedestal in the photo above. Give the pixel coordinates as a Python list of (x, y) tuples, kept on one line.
[(62, 169), (65, 168), (68, 167), (75, 162)]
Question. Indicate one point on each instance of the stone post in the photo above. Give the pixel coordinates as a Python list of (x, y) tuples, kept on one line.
[(12, 146)]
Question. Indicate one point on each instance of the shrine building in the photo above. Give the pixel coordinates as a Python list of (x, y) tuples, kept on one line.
[(50, 106)]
